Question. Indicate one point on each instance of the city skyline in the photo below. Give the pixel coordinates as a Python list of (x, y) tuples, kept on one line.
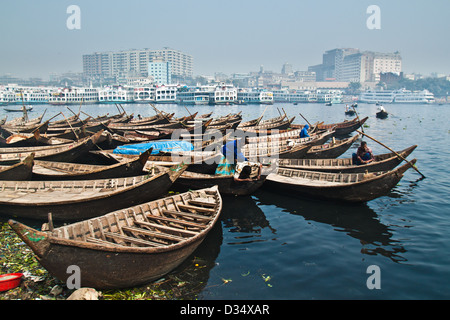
[(224, 37)]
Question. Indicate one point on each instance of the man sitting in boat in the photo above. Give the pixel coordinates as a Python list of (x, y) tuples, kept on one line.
[(381, 109), (231, 155), (363, 155), (304, 132)]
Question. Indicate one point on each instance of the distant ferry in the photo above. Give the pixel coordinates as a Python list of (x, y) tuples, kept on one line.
[(144, 94), (255, 96), (73, 96), (397, 96), (116, 94), (166, 94), (200, 95), (7, 97), (224, 94)]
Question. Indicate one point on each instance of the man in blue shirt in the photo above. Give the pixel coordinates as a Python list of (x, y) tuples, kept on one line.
[(304, 132), (231, 154)]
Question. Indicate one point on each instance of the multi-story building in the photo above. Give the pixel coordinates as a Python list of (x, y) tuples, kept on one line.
[(351, 65), (135, 62), (161, 71)]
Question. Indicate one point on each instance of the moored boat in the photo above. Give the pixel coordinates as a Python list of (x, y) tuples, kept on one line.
[(347, 187), (382, 162), (332, 149), (83, 199), (19, 171), (128, 247)]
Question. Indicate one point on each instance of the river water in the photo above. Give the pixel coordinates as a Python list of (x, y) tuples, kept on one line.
[(273, 246)]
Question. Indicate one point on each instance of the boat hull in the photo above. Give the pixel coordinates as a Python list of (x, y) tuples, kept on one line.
[(355, 192)]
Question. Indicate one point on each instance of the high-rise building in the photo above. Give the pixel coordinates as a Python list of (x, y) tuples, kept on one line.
[(135, 62), (161, 71), (351, 65)]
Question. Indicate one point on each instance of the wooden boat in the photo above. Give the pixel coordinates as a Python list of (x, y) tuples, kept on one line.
[(268, 127), (83, 199), (54, 171), (341, 128), (62, 153), (88, 127), (382, 114), (25, 128), (128, 247), (18, 109), (19, 171), (349, 113), (331, 150), (294, 136), (147, 121), (347, 187), (264, 152), (31, 140), (226, 184), (22, 120), (382, 162), (198, 161)]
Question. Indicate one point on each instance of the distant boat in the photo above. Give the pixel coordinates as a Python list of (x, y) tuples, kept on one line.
[(328, 104), (382, 113), (18, 109)]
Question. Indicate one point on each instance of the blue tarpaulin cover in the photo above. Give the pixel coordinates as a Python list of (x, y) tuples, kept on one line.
[(157, 146)]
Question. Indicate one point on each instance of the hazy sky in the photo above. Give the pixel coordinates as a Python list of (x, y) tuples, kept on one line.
[(223, 36)]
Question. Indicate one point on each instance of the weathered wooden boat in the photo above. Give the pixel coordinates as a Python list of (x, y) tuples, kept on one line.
[(268, 127), (147, 121), (226, 184), (128, 247), (83, 199), (31, 140), (25, 128), (294, 136), (266, 152), (54, 171), (331, 150), (382, 114), (349, 113), (62, 153), (198, 161), (23, 120), (19, 171), (342, 128), (18, 109), (88, 127), (347, 187), (382, 162)]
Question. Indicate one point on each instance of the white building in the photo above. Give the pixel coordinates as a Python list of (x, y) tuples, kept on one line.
[(160, 71)]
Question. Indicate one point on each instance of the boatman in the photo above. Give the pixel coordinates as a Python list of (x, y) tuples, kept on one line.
[(304, 132), (231, 155), (363, 155)]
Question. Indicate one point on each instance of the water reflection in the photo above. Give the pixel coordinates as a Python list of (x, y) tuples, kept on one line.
[(356, 220), (241, 215), (190, 278)]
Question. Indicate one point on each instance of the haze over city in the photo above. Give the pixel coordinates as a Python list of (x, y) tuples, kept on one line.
[(222, 36)]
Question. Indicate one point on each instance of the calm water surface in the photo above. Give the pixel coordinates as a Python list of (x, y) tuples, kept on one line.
[(273, 246)]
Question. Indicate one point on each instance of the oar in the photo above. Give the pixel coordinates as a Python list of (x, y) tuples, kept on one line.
[(46, 122), (399, 155), (262, 115), (305, 119), (78, 138), (359, 120)]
